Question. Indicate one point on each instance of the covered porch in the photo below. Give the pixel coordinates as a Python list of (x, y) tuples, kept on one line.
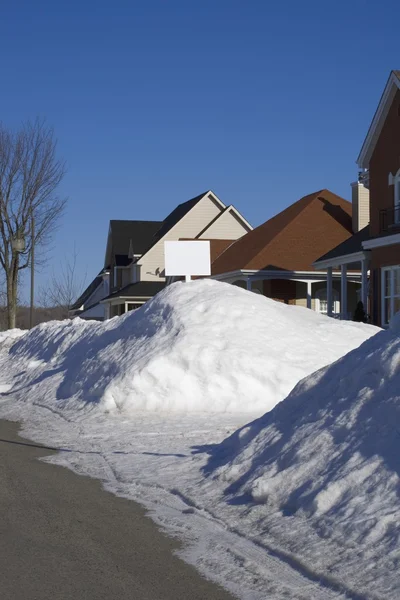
[(310, 289), (349, 266)]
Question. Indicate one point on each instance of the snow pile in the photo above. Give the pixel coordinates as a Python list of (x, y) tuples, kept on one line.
[(201, 346), (328, 457), (8, 337)]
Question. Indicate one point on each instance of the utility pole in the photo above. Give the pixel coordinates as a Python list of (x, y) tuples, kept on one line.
[(32, 270)]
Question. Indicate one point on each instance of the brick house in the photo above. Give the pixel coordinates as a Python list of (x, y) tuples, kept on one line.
[(276, 259), (377, 248)]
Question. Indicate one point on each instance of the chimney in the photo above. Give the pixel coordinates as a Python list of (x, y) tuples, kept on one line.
[(360, 203)]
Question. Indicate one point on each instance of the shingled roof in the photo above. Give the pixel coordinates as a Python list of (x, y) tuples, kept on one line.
[(139, 290), (350, 246), (293, 239), (140, 232)]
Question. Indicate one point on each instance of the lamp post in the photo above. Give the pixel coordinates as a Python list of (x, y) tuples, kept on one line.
[(32, 271)]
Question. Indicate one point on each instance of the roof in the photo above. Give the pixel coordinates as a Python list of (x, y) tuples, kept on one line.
[(122, 232), (176, 215), (391, 88), (87, 293), (350, 246), (293, 239), (140, 289)]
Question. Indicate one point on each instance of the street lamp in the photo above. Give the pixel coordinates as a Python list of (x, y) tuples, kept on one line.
[(18, 243)]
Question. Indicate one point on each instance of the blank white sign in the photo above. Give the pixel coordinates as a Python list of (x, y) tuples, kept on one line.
[(187, 258)]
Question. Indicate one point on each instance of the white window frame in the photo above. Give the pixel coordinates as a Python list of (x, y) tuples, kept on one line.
[(391, 295), (335, 298), (396, 183)]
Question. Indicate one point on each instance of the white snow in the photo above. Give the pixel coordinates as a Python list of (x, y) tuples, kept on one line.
[(142, 402), (203, 347), (325, 463)]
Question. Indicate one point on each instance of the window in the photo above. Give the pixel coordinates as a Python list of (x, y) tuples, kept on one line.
[(390, 293), (321, 302), (396, 180)]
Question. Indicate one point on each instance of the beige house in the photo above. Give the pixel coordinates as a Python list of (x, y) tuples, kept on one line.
[(134, 269)]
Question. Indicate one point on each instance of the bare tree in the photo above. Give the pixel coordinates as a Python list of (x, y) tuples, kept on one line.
[(30, 174), (64, 287)]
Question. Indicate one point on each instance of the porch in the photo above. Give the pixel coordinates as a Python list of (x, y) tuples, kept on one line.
[(335, 294)]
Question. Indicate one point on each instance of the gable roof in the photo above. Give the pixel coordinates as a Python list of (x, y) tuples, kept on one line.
[(350, 246), (293, 239), (120, 234), (228, 209), (140, 232), (92, 287), (391, 88), (176, 215)]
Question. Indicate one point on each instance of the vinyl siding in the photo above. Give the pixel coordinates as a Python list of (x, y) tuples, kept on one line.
[(98, 294), (195, 221), (360, 206), (226, 227)]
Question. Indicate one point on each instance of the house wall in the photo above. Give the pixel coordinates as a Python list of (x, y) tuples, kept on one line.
[(226, 227), (96, 313), (380, 257), (384, 160), (152, 263), (98, 294)]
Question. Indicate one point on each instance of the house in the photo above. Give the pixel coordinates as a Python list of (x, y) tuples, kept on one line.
[(276, 259), (377, 247), (134, 269), (126, 240)]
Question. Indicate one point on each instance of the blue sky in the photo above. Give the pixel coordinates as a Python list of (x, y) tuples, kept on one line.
[(154, 102)]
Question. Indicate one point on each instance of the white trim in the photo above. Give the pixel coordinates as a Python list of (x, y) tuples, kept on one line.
[(393, 84), (344, 259), (223, 206), (333, 300), (387, 240), (343, 292), (391, 269), (272, 274), (309, 294), (239, 216)]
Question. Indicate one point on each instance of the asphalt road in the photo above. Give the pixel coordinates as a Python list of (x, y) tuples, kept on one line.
[(64, 538)]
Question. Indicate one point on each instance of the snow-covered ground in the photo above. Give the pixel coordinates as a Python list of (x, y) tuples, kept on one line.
[(144, 401)]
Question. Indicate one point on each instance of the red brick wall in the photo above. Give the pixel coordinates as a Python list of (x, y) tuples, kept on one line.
[(385, 159)]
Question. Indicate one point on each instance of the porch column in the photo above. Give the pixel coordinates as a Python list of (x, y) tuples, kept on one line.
[(343, 292), (248, 284), (329, 291), (364, 283), (309, 293)]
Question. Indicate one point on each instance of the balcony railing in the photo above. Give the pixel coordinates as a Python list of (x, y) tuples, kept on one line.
[(389, 219)]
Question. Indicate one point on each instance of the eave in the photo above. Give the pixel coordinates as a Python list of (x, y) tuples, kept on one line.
[(392, 86)]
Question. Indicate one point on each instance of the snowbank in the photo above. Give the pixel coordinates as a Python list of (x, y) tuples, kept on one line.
[(329, 457), (201, 346), (8, 337)]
